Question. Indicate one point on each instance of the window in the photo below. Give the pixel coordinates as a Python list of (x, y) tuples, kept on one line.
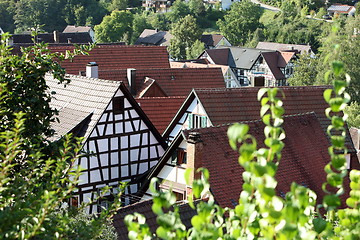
[(179, 196), (104, 199), (197, 121), (179, 157), (118, 105)]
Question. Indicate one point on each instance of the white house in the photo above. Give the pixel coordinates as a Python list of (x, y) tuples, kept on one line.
[(120, 143)]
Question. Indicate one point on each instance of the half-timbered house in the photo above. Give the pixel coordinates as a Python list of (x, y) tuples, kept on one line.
[(120, 143), (253, 67)]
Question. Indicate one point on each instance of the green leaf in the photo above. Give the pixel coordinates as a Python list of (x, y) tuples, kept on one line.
[(162, 233), (261, 93), (198, 187), (264, 109), (331, 201), (327, 95), (236, 133), (337, 67), (319, 224), (338, 161), (266, 119)]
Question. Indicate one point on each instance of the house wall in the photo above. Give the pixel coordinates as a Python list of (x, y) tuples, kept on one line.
[(261, 69), (120, 149), (230, 79), (223, 42), (194, 108)]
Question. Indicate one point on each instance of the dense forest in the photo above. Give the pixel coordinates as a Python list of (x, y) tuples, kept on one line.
[(124, 20)]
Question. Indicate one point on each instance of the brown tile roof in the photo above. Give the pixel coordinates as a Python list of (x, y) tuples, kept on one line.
[(174, 81), (117, 56), (303, 158), (160, 110), (144, 208), (219, 56), (150, 88), (272, 60), (240, 104)]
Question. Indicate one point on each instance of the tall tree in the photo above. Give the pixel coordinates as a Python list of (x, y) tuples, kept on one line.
[(242, 19), (185, 33), (115, 27), (35, 184), (178, 10), (305, 71), (139, 24), (195, 50), (32, 13)]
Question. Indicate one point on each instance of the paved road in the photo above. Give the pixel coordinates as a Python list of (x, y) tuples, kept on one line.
[(267, 7)]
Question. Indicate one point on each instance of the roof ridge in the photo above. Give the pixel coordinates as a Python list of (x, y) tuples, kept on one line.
[(92, 78), (179, 97)]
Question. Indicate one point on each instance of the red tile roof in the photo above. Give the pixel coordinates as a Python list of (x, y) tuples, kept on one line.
[(240, 104), (115, 56), (144, 208), (174, 81), (303, 158), (160, 110)]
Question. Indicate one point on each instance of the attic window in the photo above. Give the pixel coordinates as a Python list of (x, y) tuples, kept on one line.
[(172, 77), (118, 105), (197, 121)]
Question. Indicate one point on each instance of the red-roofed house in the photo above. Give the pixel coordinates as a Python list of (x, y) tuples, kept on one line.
[(229, 76), (212, 107), (160, 110), (303, 159), (169, 81), (115, 56)]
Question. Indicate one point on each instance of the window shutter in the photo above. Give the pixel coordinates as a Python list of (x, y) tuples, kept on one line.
[(203, 121), (191, 120)]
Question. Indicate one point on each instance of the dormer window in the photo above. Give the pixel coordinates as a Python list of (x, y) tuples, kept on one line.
[(197, 121)]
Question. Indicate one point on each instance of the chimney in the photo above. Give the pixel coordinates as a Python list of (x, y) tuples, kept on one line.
[(131, 75), (194, 154), (92, 70), (56, 37)]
